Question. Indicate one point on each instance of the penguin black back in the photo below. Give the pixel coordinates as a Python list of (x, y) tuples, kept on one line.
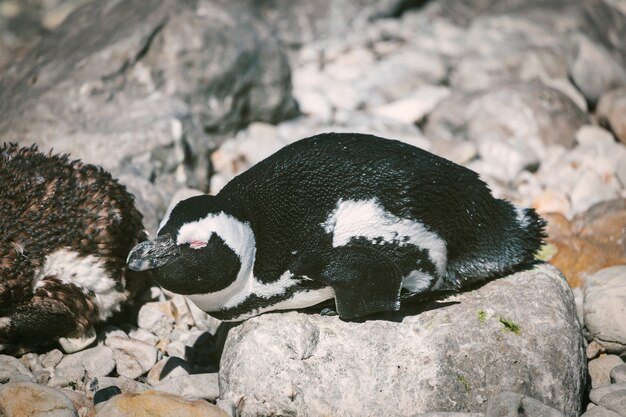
[(65, 229), (371, 219)]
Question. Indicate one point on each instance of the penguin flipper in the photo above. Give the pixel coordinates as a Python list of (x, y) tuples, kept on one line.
[(364, 280)]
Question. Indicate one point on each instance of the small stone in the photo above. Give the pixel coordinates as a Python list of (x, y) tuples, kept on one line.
[(615, 401), (32, 361), (192, 386), (415, 106), (591, 188), (168, 368), (67, 376), (97, 361), (600, 369), (133, 357), (596, 394), (52, 358), (605, 309), (12, 370), (157, 318), (157, 404), (126, 384), (105, 394), (551, 201), (599, 411), (618, 374), (612, 111), (594, 349), (144, 336), (512, 404), (42, 377), (21, 399)]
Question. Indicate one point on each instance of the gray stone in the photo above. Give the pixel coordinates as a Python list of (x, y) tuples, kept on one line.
[(67, 376), (596, 394), (609, 19), (97, 361), (52, 358), (600, 369), (12, 370), (156, 317), (168, 368), (605, 308), (125, 384), (615, 401), (449, 414), (144, 336), (505, 337), (127, 100), (133, 358), (512, 404), (599, 411), (519, 111), (611, 111), (618, 374), (593, 69), (192, 386), (21, 399)]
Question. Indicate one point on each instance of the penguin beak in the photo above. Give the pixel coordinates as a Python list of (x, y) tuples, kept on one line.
[(153, 254)]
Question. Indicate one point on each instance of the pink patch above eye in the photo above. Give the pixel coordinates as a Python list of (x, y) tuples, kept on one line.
[(197, 244)]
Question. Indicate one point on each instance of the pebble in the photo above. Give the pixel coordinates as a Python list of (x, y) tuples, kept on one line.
[(21, 399), (106, 394), (97, 361), (612, 111), (599, 411), (168, 368), (618, 374), (605, 308), (52, 358), (615, 401), (156, 317), (600, 369), (192, 386), (596, 394), (133, 358), (12, 370), (125, 384), (156, 404)]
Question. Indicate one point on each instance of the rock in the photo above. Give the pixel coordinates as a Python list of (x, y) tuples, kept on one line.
[(97, 361), (596, 394), (593, 69), (52, 358), (156, 317), (192, 386), (29, 399), (12, 370), (125, 384), (605, 308), (126, 99), (615, 401), (415, 106), (133, 358), (590, 242), (518, 111), (618, 374), (106, 394), (401, 364), (609, 19), (512, 404), (600, 412), (451, 414), (168, 368), (144, 336), (611, 110), (69, 376), (594, 349), (600, 369), (157, 404)]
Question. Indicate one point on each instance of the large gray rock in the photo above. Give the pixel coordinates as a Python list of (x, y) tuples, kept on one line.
[(519, 333), (134, 86)]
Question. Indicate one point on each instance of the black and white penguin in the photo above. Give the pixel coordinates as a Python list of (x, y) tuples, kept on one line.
[(65, 231), (364, 220)]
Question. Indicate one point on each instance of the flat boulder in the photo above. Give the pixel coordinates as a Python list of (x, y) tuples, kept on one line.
[(519, 333)]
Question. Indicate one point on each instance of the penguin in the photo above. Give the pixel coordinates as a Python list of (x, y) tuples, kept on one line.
[(65, 230), (363, 220)]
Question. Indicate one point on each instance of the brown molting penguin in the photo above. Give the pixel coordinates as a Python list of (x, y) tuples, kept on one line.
[(65, 231)]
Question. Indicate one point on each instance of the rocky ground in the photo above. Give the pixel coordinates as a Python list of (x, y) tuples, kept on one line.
[(179, 96)]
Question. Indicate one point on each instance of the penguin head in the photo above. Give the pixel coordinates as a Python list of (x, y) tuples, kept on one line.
[(200, 248)]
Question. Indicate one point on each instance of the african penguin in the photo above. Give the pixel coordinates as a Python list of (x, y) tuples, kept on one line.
[(364, 220), (65, 231)]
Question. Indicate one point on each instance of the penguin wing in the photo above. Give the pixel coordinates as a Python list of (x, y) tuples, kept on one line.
[(364, 280)]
